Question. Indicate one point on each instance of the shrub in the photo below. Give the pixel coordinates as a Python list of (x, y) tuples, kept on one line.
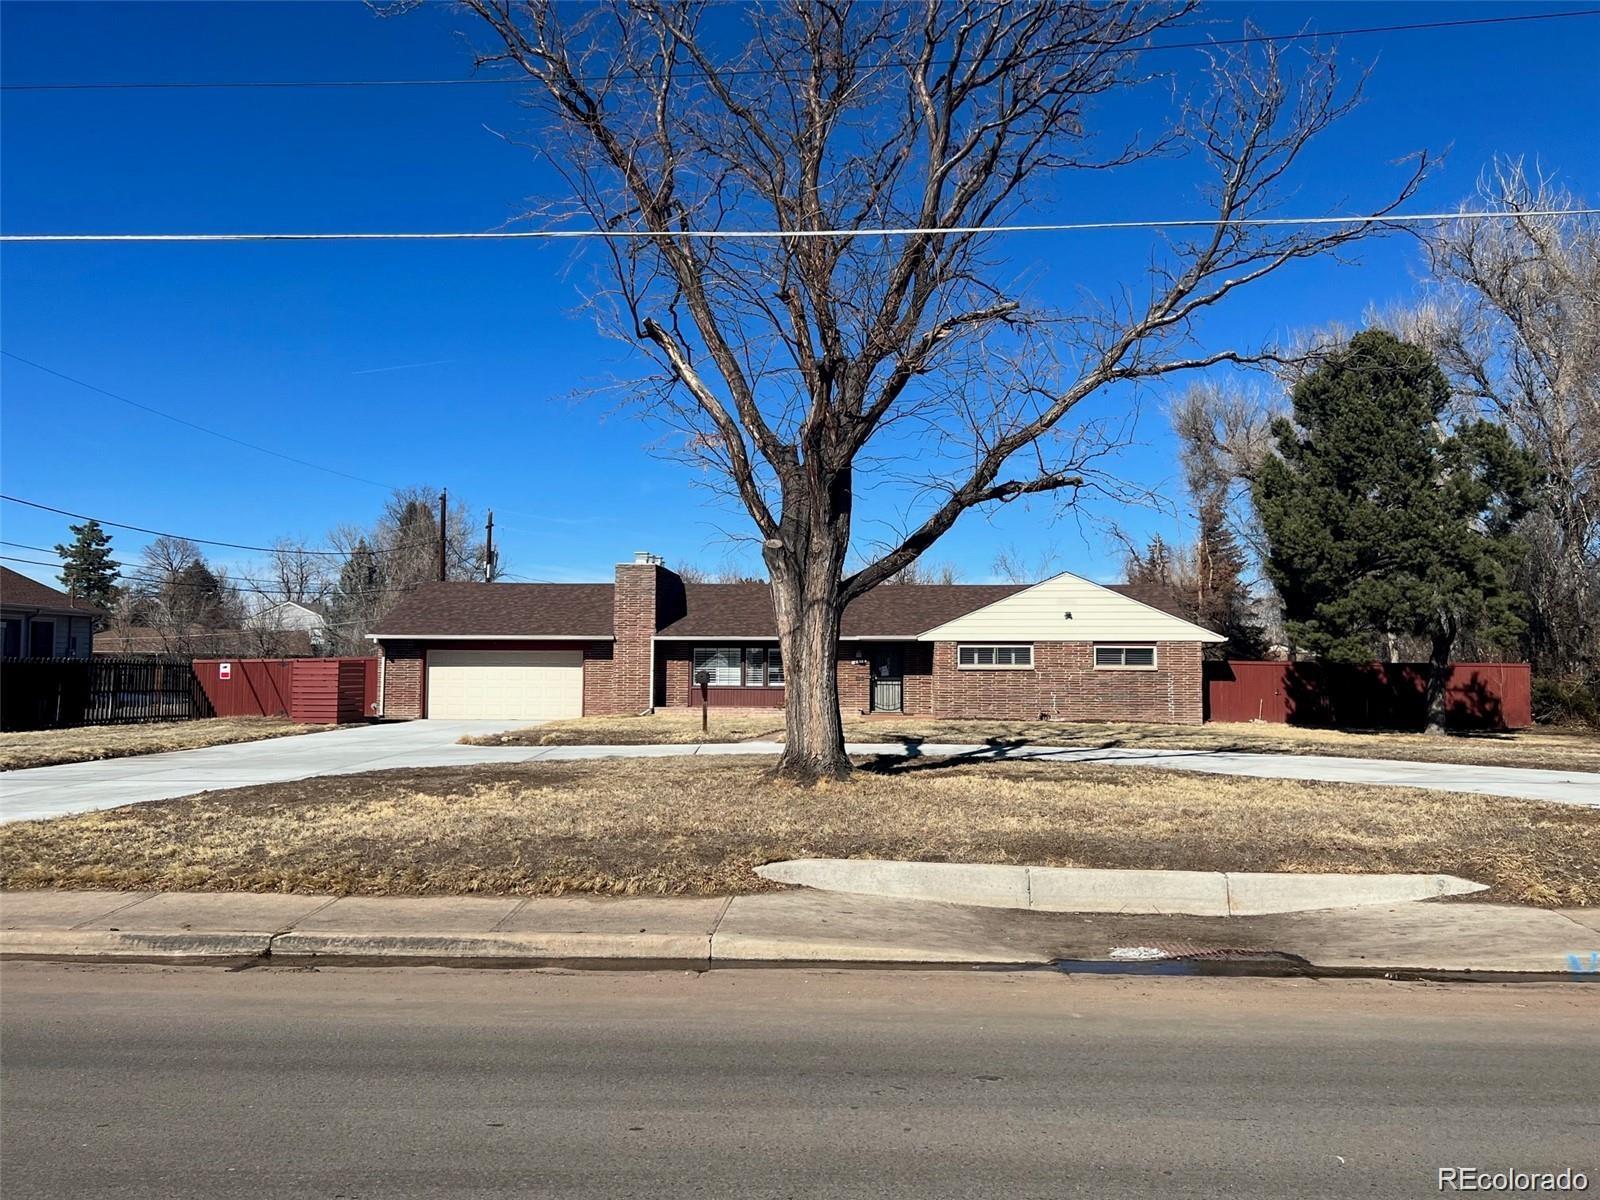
[(1571, 700)]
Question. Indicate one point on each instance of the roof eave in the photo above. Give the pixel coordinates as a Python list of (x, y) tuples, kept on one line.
[(492, 637)]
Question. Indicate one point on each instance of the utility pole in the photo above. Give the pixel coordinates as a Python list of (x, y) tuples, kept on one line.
[(488, 550), (442, 519)]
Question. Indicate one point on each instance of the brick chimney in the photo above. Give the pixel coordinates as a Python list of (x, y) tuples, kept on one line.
[(647, 596)]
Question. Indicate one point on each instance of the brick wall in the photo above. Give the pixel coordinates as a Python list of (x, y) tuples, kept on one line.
[(635, 623), (675, 670), (855, 680), (599, 678), (1064, 684), (919, 678), (402, 679)]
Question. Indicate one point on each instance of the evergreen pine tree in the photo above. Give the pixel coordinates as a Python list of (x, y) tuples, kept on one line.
[(1221, 600), (87, 571), (1379, 519)]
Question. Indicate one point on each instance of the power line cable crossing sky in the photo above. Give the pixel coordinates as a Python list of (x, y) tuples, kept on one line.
[(507, 235), (211, 541), (506, 80), (419, 335)]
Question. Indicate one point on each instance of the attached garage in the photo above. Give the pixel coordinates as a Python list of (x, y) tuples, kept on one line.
[(505, 684)]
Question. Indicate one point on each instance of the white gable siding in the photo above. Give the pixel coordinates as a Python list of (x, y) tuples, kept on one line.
[(1098, 615)]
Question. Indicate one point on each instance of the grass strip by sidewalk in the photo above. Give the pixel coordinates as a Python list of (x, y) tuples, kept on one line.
[(1551, 749), (696, 827), (48, 747)]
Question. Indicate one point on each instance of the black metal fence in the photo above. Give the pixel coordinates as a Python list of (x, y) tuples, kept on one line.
[(59, 693)]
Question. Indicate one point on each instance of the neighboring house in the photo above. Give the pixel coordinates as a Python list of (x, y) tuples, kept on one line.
[(290, 616), (40, 622), (121, 639), (1065, 648)]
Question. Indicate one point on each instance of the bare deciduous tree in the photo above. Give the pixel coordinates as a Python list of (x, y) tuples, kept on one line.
[(1514, 320), (1223, 437), (298, 576), (383, 564), (690, 573), (884, 334), (918, 571), (1013, 566), (181, 598)]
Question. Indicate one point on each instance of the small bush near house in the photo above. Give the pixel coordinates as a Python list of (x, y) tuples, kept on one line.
[(1572, 700)]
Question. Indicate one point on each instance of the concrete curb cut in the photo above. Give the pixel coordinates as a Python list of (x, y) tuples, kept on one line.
[(1085, 890)]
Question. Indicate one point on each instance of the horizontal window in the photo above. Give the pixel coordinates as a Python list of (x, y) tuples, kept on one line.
[(721, 663), (1125, 658), (733, 666), (995, 658), (763, 667)]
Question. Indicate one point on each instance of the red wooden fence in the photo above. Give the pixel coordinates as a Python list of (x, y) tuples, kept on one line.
[(1367, 695), (313, 691)]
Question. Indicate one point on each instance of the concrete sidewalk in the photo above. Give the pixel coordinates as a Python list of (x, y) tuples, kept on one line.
[(779, 927), (1520, 783), (42, 792)]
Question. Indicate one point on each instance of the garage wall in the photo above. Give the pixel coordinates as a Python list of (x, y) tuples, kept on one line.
[(405, 675), (520, 684)]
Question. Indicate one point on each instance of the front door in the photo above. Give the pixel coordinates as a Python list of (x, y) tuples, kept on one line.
[(888, 679)]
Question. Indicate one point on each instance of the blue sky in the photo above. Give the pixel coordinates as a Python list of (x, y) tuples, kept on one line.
[(453, 364)]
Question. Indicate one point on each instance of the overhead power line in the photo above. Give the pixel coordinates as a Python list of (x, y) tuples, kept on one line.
[(147, 574), (513, 80), (508, 235), (212, 541), (226, 437)]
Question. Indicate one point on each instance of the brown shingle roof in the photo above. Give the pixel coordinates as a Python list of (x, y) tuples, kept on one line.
[(893, 610), (1155, 597), (17, 589), (503, 609), (713, 610)]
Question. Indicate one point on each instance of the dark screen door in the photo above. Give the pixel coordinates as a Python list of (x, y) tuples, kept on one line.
[(888, 679)]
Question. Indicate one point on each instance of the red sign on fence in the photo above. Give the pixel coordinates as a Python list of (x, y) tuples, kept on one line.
[(225, 670)]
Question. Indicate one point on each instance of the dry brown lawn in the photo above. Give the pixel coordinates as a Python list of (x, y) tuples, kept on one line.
[(695, 827), (46, 747), (669, 726), (1552, 749)]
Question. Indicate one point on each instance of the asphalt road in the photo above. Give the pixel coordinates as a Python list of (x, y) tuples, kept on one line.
[(179, 1082)]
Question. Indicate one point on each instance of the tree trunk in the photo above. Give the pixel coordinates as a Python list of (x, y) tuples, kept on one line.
[(806, 565), (1438, 671), (809, 633)]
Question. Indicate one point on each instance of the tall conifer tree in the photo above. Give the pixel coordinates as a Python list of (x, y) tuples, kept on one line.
[(1380, 519), (87, 569)]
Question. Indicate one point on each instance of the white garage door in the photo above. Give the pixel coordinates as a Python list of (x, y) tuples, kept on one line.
[(505, 684)]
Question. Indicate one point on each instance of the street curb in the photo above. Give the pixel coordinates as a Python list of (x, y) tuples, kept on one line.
[(699, 953), (108, 943), (664, 948), (745, 949)]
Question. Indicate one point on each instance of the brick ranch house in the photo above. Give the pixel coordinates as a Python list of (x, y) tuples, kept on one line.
[(1065, 648)]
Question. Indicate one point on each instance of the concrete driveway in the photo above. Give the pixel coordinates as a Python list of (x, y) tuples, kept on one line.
[(88, 786)]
